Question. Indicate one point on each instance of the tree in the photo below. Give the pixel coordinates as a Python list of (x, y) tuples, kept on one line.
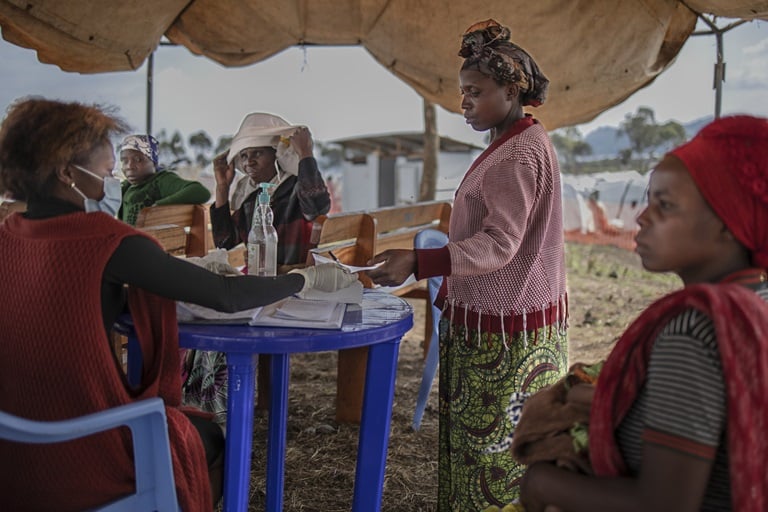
[(171, 149), (570, 144), (201, 143), (331, 155), (223, 144), (646, 136)]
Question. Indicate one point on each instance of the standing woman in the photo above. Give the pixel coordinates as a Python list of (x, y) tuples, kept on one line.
[(65, 264), (502, 332)]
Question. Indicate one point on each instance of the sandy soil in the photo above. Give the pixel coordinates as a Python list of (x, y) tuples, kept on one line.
[(607, 289)]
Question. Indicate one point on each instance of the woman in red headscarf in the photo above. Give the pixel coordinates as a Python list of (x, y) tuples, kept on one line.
[(680, 409)]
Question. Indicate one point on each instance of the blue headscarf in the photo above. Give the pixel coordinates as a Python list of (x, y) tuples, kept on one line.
[(147, 145)]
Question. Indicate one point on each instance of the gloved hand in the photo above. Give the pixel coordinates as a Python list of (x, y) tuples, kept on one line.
[(327, 277)]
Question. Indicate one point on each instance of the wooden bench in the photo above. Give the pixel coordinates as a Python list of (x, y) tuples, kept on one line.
[(354, 238), (167, 222)]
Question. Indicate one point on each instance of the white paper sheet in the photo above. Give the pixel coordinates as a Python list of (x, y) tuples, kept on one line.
[(349, 268)]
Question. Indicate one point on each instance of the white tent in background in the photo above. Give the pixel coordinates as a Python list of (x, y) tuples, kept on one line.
[(576, 214), (621, 194)]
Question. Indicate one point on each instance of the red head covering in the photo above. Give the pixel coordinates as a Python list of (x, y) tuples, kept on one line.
[(728, 160)]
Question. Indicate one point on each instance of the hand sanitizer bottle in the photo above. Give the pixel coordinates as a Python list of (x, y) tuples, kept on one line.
[(262, 239)]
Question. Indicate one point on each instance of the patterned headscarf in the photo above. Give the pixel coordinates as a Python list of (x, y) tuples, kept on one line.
[(486, 45), (145, 144), (728, 160)]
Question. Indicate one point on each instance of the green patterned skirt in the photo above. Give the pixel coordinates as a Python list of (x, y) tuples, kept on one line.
[(482, 385)]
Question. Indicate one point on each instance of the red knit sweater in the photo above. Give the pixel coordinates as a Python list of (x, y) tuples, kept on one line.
[(56, 363)]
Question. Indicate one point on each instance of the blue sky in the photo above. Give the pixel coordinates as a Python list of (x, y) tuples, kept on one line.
[(342, 92)]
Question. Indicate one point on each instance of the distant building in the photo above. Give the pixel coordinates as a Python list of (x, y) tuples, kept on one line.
[(385, 170)]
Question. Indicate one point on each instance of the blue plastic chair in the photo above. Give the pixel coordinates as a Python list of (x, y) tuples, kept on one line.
[(429, 239), (155, 486)]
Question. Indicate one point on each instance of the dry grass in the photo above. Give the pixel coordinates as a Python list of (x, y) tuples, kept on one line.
[(607, 289)]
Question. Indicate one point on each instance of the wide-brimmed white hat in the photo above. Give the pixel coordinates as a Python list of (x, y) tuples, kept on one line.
[(259, 130)]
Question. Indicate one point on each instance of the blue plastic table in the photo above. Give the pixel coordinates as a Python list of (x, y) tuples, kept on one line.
[(379, 324)]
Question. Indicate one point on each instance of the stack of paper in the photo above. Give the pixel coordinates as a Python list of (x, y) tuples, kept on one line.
[(295, 312), (186, 312)]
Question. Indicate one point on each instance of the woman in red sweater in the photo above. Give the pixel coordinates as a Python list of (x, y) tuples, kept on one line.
[(66, 262)]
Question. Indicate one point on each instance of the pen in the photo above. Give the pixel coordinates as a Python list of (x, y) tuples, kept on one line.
[(338, 262)]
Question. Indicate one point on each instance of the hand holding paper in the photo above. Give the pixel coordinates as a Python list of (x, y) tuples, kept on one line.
[(319, 260), (396, 266)]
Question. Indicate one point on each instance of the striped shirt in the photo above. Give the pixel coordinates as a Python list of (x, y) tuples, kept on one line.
[(683, 402)]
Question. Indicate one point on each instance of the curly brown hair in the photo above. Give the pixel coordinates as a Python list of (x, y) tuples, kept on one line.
[(39, 136)]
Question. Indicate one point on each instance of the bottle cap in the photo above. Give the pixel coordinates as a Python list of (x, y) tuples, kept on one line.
[(264, 194)]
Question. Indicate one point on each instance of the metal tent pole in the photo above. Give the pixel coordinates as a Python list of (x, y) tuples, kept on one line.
[(719, 75), (150, 77)]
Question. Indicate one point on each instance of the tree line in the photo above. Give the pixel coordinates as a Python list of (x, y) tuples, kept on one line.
[(173, 149), (647, 139)]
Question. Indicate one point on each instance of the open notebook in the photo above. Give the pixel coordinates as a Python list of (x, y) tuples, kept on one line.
[(316, 309)]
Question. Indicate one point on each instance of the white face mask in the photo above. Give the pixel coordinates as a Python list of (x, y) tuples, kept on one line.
[(113, 195)]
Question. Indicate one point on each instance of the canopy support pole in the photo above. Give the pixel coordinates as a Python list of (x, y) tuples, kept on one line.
[(150, 77), (719, 75)]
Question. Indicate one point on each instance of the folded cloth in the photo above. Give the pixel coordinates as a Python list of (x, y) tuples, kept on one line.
[(543, 433)]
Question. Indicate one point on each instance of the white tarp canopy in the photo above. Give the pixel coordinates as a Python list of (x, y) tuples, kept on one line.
[(595, 52)]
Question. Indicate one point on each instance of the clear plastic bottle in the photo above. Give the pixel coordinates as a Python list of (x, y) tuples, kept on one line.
[(262, 239)]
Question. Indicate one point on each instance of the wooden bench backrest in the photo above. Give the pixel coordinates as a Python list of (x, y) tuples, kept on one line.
[(397, 225), (351, 236), (194, 219)]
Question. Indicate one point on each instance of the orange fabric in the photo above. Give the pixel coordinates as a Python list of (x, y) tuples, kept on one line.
[(740, 319), (56, 362)]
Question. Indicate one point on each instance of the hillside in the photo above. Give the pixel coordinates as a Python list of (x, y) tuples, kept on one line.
[(607, 142)]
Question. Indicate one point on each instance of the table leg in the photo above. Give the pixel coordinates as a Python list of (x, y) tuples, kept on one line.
[(237, 471), (278, 423), (374, 426)]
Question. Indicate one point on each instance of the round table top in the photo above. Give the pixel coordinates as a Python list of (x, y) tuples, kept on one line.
[(382, 317)]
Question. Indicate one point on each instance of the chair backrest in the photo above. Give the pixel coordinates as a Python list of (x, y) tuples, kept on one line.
[(155, 487), (397, 226), (350, 236), (167, 221), (431, 239)]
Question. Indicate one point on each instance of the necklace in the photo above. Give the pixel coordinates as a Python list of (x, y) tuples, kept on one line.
[(747, 276)]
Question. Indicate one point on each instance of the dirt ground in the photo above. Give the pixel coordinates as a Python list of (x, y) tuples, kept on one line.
[(607, 289)]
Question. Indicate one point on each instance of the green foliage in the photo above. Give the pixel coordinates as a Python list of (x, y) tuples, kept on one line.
[(223, 144), (202, 144), (570, 144), (646, 136)]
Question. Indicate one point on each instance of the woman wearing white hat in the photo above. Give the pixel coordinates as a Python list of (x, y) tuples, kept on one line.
[(269, 150)]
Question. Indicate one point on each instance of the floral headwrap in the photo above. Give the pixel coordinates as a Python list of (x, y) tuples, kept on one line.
[(728, 161), (486, 45), (145, 144)]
